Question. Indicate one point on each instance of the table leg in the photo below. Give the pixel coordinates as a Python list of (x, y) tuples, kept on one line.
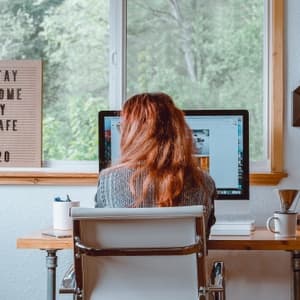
[(51, 263), (296, 272)]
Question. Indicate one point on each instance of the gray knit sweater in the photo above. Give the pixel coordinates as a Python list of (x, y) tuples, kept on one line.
[(113, 191)]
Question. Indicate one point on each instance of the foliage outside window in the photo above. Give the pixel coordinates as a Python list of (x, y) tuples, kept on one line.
[(71, 37), (206, 54)]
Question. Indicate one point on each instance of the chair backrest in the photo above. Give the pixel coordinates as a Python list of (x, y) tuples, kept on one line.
[(139, 253)]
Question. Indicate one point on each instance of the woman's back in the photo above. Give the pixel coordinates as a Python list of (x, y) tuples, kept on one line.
[(114, 191)]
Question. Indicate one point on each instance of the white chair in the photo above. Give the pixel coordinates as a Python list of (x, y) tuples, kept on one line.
[(140, 254)]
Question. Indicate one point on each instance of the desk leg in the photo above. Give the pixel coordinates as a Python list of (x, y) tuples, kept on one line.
[(296, 271), (51, 263)]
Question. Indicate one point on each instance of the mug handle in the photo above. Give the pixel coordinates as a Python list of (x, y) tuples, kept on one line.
[(268, 224)]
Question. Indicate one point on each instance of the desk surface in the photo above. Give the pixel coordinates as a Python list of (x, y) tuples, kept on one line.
[(261, 239), (39, 241)]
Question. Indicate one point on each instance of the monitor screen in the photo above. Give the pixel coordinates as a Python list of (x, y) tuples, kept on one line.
[(220, 140)]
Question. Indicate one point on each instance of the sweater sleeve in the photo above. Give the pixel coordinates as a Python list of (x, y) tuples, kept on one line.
[(99, 197)]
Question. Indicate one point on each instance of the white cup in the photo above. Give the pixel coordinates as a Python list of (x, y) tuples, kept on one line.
[(61, 214), (283, 224)]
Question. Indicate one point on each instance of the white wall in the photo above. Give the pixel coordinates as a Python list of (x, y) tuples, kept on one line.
[(23, 210), (250, 275)]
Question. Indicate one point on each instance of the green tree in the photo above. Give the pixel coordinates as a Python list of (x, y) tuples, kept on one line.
[(76, 46)]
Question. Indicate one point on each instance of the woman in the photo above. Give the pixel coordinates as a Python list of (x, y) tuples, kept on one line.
[(157, 167)]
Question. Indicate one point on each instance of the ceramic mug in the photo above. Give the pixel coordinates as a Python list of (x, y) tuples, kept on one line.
[(283, 224), (61, 214)]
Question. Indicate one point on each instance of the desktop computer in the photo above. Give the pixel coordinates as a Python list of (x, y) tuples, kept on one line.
[(221, 146)]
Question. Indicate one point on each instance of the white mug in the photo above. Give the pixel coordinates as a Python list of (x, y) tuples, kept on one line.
[(61, 214), (283, 224)]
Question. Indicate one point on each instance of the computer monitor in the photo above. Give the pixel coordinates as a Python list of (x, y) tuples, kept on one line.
[(221, 146)]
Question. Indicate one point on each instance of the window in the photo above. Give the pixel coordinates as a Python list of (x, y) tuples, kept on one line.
[(209, 54)]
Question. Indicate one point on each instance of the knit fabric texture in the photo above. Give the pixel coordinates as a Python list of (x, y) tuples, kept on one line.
[(114, 191)]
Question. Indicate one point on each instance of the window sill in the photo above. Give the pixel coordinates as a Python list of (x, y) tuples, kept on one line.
[(266, 178), (48, 178), (90, 178)]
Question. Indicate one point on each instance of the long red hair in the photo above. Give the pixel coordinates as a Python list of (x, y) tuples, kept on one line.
[(157, 143)]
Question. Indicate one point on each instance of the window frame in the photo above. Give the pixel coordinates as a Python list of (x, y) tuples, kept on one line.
[(276, 99), (117, 76)]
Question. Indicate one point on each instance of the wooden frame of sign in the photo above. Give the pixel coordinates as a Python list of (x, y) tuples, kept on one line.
[(20, 113)]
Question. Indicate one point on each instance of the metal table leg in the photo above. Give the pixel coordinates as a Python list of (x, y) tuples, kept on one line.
[(296, 272), (51, 263)]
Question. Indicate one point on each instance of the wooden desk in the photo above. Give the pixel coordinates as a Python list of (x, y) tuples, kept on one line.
[(51, 245), (261, 239), (39, 241)]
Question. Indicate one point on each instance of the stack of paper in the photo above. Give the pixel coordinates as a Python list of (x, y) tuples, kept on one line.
[(233, 225)]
